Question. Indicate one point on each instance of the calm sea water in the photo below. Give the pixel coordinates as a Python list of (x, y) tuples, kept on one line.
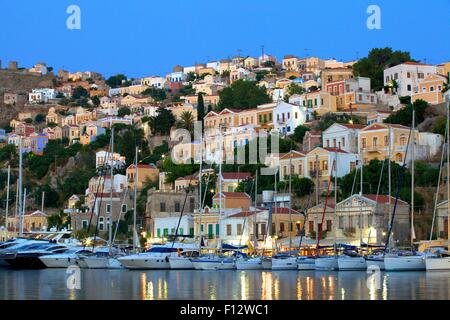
[(234, 285)]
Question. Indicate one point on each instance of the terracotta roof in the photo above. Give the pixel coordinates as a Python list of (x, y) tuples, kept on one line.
[(243, 214), (284, 210), (236, 175), (232, 195), (381, 198), (415, 63), (335, 150)]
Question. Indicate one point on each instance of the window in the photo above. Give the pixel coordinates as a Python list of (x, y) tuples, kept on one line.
[(108, 208), (364, 142), (239, 229), (431, 88), (334, 143), (162, 207), (265, 118), (124, 208), (328, 225), (260, 118), (270, 117), (191, 204), (341, 222), (375, 141), (101, 223), (325, 165), (217, 230), (158, 233), (386, 141), (281, 226), (84, 224), (263, 229), (177, 206), (311, 226), (229, 231), (408, 87), (408, 75), (166, 232)]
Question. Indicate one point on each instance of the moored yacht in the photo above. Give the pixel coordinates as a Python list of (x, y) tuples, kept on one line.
[(404, 261), (100, 259), (214, 262), (326, 263), (249, 263), (27, 257), (375, 260), (65, 259), (306, 263), (351, 260), (437, 259), (183, 260), (284, 262)]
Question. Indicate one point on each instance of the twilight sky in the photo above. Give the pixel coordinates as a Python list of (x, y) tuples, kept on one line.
[(147, 37)]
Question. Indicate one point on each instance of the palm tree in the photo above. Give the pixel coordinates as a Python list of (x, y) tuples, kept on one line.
[(186, 121)]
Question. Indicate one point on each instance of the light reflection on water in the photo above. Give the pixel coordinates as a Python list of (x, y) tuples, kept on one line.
[(234, 285)]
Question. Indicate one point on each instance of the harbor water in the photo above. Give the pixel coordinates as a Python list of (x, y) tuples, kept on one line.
[(230, 285)]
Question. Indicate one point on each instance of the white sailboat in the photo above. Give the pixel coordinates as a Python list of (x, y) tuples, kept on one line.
[(441, 259), (407, 261), (328, 262), (352, 260)]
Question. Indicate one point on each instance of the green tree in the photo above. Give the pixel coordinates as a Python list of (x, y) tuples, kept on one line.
[(162, 122), (186, 121), (294, 88), (243, 94), (95, 101), (51, 196), (123, 111), (116, 81), (79, 93), (39, 118), (200, 107), (28, 120), (330, 118), (7, 152), (375, 63), (300, 186), (155, 93), (299, 133), (404, 115)]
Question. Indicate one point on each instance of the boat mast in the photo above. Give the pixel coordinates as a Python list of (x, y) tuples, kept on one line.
[(220, 191), (361, 202), (7, 198), (448, 171), (135, 199), (255, 225), (335, 198), (412, 179), (200, 192), (291, 229), (20, 188), (111, 190), (22, 215), (389, 173)]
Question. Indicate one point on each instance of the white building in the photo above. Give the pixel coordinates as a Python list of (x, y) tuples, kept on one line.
[(103, 158), (408, 75), (166, 226), (343, 136), (41, 95), (288, 116), (155, 82), (102, 184)]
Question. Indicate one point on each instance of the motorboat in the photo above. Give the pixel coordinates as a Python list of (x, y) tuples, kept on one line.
[(214, 262), (183, 260), (404, 261), (437, 259), (326, 262), (27, 256), (284, 262), (65, 259), (351, 261), (243, 262), (100, 258), (267, 263), (306, 263), (13, 244)]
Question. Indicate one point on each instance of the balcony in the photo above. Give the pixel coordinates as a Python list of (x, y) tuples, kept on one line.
[(377, 148)]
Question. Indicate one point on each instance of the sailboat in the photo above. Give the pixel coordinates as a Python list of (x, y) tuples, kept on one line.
[(351, 260), (285, 260), (407, 260), (440, 259), (328, 262), (216, 261), (102, 259)]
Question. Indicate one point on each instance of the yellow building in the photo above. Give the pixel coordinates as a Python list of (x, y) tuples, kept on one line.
[(430, 89), (375, 139), (32, 221), (145, 172), (335, 74)]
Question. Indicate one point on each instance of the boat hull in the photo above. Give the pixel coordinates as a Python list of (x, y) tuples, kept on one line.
[(145, 263), (306, 264), (58, 262), (26, 262), (437, 264), (404, 263), (249, 264), (180, 263), (102, 263), (213, 265), (351, 263), (284, 264), (267, 264), (375, 263), (326, 263)]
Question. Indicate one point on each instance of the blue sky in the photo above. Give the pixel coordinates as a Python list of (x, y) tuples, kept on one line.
[(146, 37)]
